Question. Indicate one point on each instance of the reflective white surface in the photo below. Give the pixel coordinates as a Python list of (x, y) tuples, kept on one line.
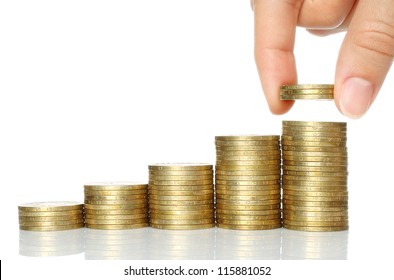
[(207, 244)]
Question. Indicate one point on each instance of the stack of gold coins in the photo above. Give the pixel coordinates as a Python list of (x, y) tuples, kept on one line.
[(181, 196), (51, 216), (116, 205), (248, 182), (315, 196), (307, 92)]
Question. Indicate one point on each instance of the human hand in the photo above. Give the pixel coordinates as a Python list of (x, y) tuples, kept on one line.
[(364, 59)]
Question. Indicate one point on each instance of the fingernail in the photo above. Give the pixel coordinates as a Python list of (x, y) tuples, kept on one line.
[(356, 97)]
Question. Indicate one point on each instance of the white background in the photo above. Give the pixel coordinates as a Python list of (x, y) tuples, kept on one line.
[(97, 90)]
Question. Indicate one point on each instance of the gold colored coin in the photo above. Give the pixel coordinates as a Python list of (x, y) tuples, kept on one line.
[(271, 152), (247, 138), (182, 212), (50, 206), (228, 203), (116, 212), (181, 193), (316, 224), (180, 182), (314, 149), (336, 134), (180, 197), (247, 197), (184, 217), (299, 213), (289, 218), (121, 186), (247, 158), (180, 172), (240, 207), (275, 171), (227, 167), (124, 199), (315, 228), (117, 227), (315, 203), (316, 194), (183, 222), (135, 202), (315, 154), (202, 207), (181, 188), (294, 96), (116, 217), (248, 162), (182, 227), (261, 148), (314, 198), (248, 193), (272, 211), (245, 223), (287, 188), (247, 183), (50, 218), (247, 178), (242, 218), (342, 179), (180, 202), (315, 124), (116, 222), (318, 209), (180, 178), (312, 143), (250, 227), (180, 166), (220, 143), (117, 206), (342, 160), (306, 183), (116, 193), (51, 228), (48, 214), (223, 188), (315, 168), (51, 223)]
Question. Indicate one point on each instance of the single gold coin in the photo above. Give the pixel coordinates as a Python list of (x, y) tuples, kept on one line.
[(286, 142), (174, 218), (182, 212), (272, 211), (342, 179), (302, 189), (139, 202), (304, 203), (116, 217), (50, 206), (247, 183), (220, 143), (314, 149), (116, 222), (50, 218), (248, 162), (342, 160), (248, 193), (121, 186), (228, 203), (315, 154), (315, 124), (117, 206), (318, 209), (261, 148), (227, 167), (250, 227), (182, 227), (316, 224), (181, 188), (316, 228), (314, 198), (336, 134), (180, 202), (116, 193), (180, 172), (247, 178), (258, 153), (247, 138), (306, 183), (124, 198), (274, 171), (243, 218), (117, 227), (183, 222), (180, 197), (328, 169), (245, 188), (116, 212), (316, 194), (247, 197), (289, 218), (246, 207), (180, 166), (245, 223), (47, 214), (51, 223), (247, 158), (181, 193), (180, 178), (180, 182), (314, 214), (51, 228), (202, 207), (293, 96)]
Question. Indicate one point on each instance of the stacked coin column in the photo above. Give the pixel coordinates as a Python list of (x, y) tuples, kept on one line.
[(116, 205), (248, 182), (181, 196), (51, 216), (314, 181)]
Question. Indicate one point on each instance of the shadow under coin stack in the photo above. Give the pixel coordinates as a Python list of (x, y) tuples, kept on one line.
[(315, 196), (181, 196), (116, 205), (248, 182), (51, 216)]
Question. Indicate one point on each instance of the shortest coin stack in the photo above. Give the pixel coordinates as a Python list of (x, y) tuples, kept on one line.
[(51, 216), (116, 205), (181, 196)]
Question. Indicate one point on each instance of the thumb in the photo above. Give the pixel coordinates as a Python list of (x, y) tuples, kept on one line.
[(365, 57)]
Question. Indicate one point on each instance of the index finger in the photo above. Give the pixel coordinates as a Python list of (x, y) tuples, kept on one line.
[(275, 25)]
